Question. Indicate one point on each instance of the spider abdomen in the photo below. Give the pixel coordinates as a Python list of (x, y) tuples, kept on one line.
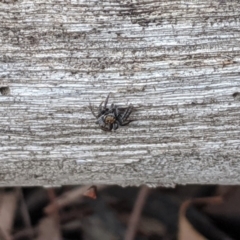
[(109, 119)]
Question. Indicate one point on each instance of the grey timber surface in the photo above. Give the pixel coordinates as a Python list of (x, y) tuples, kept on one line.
[(177, 62)]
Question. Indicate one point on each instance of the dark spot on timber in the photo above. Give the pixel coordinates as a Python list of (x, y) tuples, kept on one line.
[(198, 103), (137, 14), (32, 40), (4, 90), (37, 175), (236, 96), (8, 1)]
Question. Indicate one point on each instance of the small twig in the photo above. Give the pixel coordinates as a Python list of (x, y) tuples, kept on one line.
[(134, 218), (69, 197), (55, 213), (7, 213), (25, 215), (48, 229), (27, 233), (24, 211), (206, 200)]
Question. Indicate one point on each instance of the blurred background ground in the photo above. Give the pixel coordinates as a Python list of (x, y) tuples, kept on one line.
[(112, 212)]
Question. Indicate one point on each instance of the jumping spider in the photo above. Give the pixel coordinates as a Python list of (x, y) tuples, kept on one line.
[(113, 117)]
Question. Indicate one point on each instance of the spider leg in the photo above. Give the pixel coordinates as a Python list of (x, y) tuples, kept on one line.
[(118, 111), (114, 110), (123, 117), (91, 108), (121, 110), (100, 109), (124, 123), (127, 113), (112, 106), (115, 125), (103, 109), (106, 101)]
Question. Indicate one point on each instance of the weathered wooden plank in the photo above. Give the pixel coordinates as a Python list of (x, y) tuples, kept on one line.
[(177, 62)]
